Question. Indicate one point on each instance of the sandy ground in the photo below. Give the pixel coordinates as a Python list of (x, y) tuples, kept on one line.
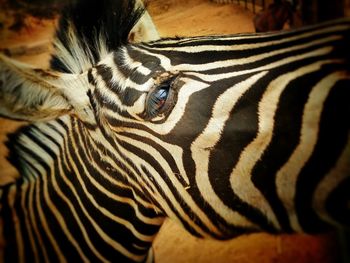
[(173, 244)]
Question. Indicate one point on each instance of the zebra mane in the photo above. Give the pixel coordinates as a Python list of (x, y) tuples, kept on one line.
[(89, 29)]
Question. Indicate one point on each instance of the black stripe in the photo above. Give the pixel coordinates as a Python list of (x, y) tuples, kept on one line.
[(153, 163), (62, 240), (286, 134), (338, 203), (332, 138), (208, 56), (149, 61), (240, 129), (121, 233), (122, 210), (129, 73), (106, 73), (38, 191), (279, 57), (71, 224), (165, 153), (227, 229), (240, 39), (127, 96), (11, 251)]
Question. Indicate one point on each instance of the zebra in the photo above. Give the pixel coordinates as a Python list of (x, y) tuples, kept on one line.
[(226, 135)]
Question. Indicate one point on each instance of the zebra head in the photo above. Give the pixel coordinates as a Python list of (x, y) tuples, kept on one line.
[(224, 134)]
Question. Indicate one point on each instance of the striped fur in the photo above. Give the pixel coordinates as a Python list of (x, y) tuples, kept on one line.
[(249, 135), (254, 136)]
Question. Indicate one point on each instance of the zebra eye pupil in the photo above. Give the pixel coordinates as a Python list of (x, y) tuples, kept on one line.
[(157, 100), (161, 95), (160, 99)]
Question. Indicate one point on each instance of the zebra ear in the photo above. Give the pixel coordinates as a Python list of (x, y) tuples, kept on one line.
[(145, 29), (32, 94)]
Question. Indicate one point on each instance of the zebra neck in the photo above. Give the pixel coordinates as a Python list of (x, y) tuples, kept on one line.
[(72, 201)]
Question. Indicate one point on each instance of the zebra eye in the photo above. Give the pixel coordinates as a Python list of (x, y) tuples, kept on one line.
[(160, 99)]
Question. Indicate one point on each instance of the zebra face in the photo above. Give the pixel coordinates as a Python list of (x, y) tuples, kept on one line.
[(228, 118)]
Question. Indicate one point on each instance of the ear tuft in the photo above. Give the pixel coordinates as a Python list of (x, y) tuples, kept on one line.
[(89, 29)]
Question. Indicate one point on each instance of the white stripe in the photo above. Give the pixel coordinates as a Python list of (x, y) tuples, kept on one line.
[(241, 47), (98, 137), (254, 58), (276, 64), (164, 61), (103, 210), (11, 198), (27, 188), (110, 97), (133, 64), (174, 150), (59, 192), (287, 176), (185, 196), (165, 188), (339, 172), (131, 202), (38, 202), (118, 78), (241, 175), (281, 34), (103, 235), (45, 178), (208, 139), (113, 243)]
